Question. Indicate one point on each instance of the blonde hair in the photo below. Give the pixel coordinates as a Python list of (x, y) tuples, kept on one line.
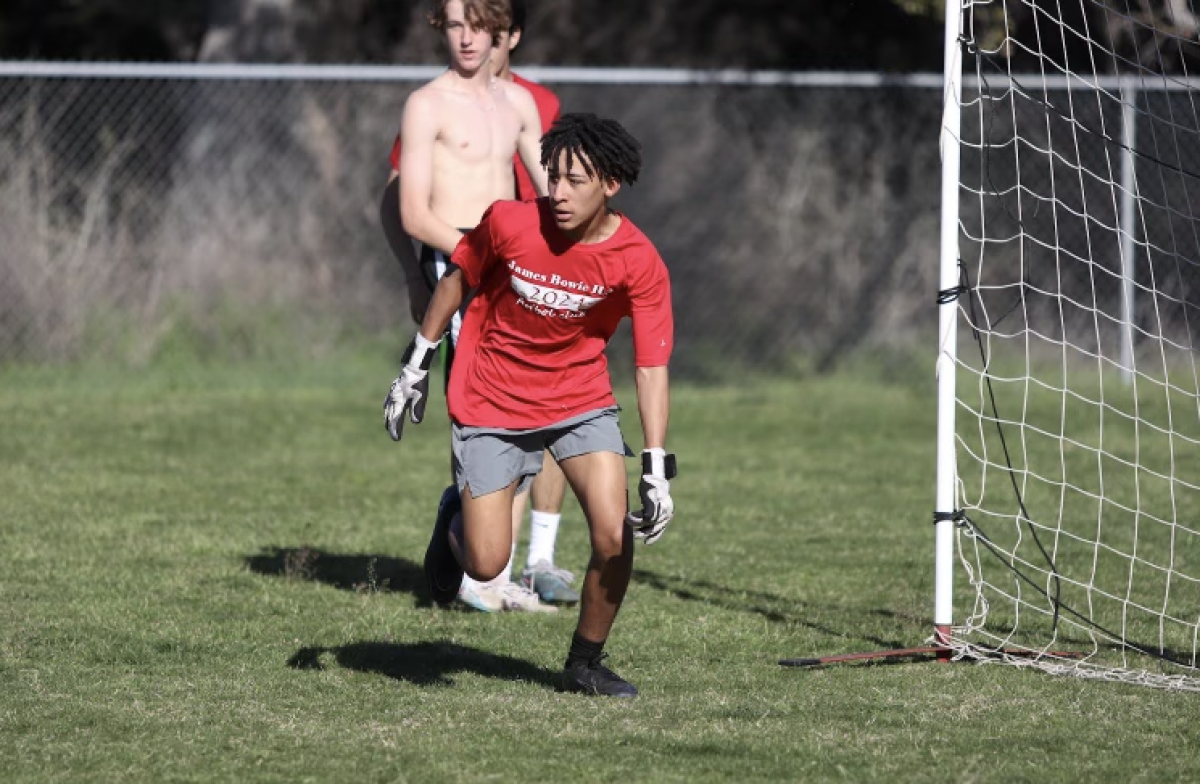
[(495, 16)]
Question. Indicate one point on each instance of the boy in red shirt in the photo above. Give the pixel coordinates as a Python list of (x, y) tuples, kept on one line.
[(554, 277)]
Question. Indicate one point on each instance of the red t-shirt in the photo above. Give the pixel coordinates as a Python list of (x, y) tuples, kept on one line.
[(548, 107), (531, 349)]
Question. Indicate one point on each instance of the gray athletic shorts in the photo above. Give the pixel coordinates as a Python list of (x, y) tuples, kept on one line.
[(490, 459)]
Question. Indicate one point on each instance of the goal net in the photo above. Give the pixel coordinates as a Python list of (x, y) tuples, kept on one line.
[(1075, 301)]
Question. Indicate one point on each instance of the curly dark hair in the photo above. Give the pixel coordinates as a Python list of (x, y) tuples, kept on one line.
[(604, 148)]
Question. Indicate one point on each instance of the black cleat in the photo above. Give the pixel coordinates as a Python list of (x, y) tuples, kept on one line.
[(592, 677), (442, 571)]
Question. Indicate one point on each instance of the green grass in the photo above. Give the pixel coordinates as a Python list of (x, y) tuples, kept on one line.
[(211, 574)]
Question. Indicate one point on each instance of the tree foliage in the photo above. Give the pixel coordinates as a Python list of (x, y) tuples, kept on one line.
[(887, 35), (876, 34), (101, 29)]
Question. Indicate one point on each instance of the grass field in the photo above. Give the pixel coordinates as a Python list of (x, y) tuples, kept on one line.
[(212, 575)]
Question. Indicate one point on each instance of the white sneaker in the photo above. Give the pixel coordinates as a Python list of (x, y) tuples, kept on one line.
[(505, 598), (518, 598), (481, 598)]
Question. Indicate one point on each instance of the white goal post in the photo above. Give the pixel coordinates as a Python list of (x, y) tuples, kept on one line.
[(1068, 468), (945, 505)]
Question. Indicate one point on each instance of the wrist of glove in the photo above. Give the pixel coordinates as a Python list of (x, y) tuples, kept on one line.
[(654, 490), (410, 390)]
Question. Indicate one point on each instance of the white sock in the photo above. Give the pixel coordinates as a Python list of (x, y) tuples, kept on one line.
[(543, 532), (505, 577)]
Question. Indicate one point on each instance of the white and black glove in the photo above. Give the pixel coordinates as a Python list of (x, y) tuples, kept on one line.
[(658, 469), (410, 390)]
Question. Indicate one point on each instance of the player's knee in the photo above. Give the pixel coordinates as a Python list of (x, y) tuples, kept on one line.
[(484, 568), (485, 560), (609, 542), (483, 575)]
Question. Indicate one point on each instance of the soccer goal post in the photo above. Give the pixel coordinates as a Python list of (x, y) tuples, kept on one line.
[(1068, 467)]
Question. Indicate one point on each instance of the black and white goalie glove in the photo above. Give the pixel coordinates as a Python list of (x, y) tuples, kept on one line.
[(410, 390), (649, 523)]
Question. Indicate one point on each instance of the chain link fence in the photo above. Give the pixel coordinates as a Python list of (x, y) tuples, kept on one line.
[(233, 212)]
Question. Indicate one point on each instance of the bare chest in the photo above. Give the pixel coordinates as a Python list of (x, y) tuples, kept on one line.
[(477, 130)]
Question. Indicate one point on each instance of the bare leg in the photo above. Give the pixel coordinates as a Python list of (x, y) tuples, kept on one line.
[(548, 487), (598, 480), (402, 248), (546, 495), (486, 527), (552, 585), (518, 508)]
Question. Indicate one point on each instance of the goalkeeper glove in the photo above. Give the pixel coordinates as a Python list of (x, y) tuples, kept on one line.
[(410, 390), (658, 469)]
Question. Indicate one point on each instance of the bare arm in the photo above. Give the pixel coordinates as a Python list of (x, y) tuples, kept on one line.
[(447, 299), (402, 249), (419, 134), (654, 405), (529, 143)]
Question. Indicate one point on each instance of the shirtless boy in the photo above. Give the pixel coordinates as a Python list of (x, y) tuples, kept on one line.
[(459, 133), (460, 130)]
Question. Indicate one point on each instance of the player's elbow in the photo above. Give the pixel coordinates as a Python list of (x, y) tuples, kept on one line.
[(655, 372), (413, 221), (454, 284)]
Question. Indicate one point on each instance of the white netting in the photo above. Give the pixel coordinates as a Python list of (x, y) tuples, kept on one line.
[(1078, 421)]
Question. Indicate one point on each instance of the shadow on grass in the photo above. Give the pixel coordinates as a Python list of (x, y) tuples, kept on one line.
[(423, 663), (352, 572), (772, 607)]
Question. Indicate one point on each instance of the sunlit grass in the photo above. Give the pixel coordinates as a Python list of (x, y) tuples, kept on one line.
[(211, 575)]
